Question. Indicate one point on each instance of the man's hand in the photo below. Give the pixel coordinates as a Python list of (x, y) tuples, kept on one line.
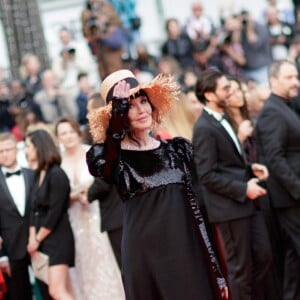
[(260, 171), (225, 293), (5, 267), (254, 190)]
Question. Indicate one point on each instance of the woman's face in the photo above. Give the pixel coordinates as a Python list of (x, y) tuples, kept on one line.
[(190, 79), (174, 29), (193, 105), (140, 114), (33, 65), (67, 135), (30, 151), (236, 99), (245, 91)]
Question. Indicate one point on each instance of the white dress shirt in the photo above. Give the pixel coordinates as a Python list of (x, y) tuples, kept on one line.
[(220, 118), (16, 187)]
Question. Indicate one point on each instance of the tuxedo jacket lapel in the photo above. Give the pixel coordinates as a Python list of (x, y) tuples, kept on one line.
[(27, 190), (220, 127), (5, 189), (8, 195)]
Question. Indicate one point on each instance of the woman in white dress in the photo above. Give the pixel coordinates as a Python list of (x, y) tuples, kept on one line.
[(96, 275)]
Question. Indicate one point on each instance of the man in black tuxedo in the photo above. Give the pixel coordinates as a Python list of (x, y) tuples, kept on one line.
[(111, 211), (15, 187), (230, 188), (278, 141)]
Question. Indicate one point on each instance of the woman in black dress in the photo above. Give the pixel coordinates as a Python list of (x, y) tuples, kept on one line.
[(50, 231), (166, 253)]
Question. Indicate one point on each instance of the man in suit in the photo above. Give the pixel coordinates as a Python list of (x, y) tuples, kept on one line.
[(111, 211), (230, 188), (278, 141), (15, 187)]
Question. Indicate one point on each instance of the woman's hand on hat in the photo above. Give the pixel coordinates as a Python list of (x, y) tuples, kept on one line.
[(120, 106), (120, 103), (121, 90)]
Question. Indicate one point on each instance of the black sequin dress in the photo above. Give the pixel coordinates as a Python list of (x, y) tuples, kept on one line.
[(165, 250)]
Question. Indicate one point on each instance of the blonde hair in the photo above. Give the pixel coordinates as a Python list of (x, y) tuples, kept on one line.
[(179, 121), (5, 136)]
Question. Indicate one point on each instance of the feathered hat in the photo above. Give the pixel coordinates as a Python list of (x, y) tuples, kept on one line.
[(162, 91)]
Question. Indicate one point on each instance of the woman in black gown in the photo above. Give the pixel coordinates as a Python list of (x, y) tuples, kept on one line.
[(50, 230), (166, 253)]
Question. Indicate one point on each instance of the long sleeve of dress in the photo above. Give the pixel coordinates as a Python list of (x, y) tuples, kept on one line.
[(184, 149), (102, 159)]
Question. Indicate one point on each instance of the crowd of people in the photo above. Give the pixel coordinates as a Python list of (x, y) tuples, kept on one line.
[(155, 177)]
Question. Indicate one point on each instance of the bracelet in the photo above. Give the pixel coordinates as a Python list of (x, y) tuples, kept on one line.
[(119, 136), (39, 241)]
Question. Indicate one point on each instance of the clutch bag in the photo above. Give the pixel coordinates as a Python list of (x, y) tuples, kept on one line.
[(40, 265)]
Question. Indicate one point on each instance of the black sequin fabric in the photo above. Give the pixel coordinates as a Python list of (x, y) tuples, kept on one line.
[(156, 167), (142, 171)]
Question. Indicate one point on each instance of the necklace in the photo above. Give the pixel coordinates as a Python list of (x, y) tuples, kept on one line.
[(153, 143)]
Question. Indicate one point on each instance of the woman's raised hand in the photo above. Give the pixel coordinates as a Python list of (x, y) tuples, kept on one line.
[(121, 90)]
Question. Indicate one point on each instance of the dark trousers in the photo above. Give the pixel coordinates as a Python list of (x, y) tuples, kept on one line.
[(115, 237), (289, 220), (18, 285), (274, 285), (248, 254)]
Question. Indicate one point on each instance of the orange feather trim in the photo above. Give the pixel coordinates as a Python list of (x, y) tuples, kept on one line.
[(162, 91)]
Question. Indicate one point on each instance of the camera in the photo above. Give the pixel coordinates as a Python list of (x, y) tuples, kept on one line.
[(244, 17), (225, 38), (70, 51), (244, 22), (94, 25)]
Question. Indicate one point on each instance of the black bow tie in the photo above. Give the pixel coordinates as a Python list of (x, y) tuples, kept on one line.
[(223, 117), (8, 174)]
